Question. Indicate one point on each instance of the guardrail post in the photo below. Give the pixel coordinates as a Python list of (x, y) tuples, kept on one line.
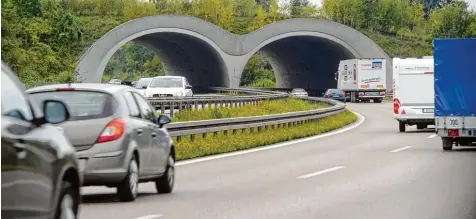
[(179, 138), (180, 106), (225, 132), (204, 135), (162, 108), (215, 133), (234, 131), (259, 129), (195, 105), (172, 108)]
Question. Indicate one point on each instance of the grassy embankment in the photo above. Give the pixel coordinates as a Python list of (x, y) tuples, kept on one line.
[(221, 143)]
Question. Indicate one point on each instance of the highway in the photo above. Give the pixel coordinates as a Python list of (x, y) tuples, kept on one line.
[(370, 171)]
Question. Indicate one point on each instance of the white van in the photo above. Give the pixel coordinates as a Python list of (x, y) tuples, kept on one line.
[(413, 92)]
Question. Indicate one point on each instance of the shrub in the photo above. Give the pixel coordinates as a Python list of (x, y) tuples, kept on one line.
[(221, 143)]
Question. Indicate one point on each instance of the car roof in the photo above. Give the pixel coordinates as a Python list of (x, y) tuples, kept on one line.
[(169, 77), (109, 88)]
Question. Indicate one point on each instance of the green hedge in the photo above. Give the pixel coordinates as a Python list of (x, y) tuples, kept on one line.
[(221, 143), (266, 107)]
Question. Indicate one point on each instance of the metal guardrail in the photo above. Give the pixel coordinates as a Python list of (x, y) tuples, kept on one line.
[(192, 128), (249, 96)]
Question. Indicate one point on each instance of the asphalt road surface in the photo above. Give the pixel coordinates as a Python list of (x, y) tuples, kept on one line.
[(371, 171)]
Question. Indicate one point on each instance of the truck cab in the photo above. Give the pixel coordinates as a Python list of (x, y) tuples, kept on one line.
[(413, 92)]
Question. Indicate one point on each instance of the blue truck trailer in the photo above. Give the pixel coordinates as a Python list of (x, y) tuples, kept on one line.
[(455, 91)]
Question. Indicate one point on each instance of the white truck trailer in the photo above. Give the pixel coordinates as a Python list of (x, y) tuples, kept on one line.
[(455, 89), (413, 101), (362, 79)]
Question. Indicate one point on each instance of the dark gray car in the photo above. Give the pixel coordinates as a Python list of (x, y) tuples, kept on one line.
[(118, 137), (40, 177)]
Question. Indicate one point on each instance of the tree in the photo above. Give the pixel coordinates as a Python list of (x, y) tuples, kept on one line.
[(259, 20), (451, 21)]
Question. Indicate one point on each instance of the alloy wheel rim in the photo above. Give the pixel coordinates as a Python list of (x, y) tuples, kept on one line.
[(67, 207), (133, 178), (170, 172)]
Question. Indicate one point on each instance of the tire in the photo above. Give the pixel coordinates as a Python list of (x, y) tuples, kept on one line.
[(447, 143), (68, 203), (129, 188), (377, 100), (401, 126), (421, 126), (165, 183)]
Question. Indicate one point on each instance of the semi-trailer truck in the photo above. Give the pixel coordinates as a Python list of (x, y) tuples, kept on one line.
[(455, 91), (362, 79)]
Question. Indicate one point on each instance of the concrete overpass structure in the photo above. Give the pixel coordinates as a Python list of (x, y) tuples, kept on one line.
[(303, 52)]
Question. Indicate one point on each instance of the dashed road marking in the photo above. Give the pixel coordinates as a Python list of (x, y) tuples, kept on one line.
[(432, 136), (150, 216), (321, 172), (401, 149)]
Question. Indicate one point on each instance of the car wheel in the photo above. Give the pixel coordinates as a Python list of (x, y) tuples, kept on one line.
[(401, 126), (68, 203), (165, 183), (447, 143), (129, 187)]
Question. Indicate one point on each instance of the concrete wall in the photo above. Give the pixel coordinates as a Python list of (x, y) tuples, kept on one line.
[(303, 52)]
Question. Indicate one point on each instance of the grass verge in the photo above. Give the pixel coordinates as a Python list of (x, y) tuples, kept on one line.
[(266, 107), (221, 143)]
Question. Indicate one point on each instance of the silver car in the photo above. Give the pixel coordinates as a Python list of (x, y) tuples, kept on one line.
[(299, 92), (118, 137)]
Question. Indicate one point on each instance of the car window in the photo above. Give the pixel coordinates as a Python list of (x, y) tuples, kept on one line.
[(83, 105), (14, 101), (165, 82), (132, 105), (147, 111), (186, 82), (142, 82)]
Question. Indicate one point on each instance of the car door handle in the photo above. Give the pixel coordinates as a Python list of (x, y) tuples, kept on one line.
[(154, 134), (139, 131)]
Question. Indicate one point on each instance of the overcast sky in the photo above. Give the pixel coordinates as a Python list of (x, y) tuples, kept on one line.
[(472, 3)]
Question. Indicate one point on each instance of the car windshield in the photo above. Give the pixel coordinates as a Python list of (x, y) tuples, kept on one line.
[(82, 105), (298, 90), (166, 82), (334, 91), (142, 82)]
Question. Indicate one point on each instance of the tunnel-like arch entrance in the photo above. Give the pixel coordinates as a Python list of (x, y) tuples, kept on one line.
[(306, 59), (303, 52)]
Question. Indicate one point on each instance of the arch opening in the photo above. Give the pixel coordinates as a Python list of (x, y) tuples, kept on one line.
[(306, 61), (181, 53)]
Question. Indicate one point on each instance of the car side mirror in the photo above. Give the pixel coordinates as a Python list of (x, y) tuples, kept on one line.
[(144, 87), (188, 86), (163, 120), (323, 94), (55, 111)]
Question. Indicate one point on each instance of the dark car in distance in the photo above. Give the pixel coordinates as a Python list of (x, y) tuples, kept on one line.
[(335, 94), (40, 177)]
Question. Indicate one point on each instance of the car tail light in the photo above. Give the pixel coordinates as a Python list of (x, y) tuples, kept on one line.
[(305, 94), (453, 132), (343, 94), (396, 105), (382, 93), (361, 94), (436, 131), (113, 130), (327, 95)]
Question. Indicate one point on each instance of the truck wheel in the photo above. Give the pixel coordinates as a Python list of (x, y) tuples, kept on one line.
[(447, 143), (420, 126), (377, 100), (401, 126)]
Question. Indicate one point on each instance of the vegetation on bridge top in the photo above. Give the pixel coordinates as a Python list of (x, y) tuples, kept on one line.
[(43, 39), (266, 107)]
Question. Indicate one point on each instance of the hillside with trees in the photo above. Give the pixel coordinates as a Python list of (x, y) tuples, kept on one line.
[(43, 39)]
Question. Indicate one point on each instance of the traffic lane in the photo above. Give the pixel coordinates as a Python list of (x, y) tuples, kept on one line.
[(220, 188)]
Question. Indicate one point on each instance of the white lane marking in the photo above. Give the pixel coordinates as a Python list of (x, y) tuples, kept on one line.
[(321, 172), (150, 216), (432, 136), (360, 120), (401, 149)]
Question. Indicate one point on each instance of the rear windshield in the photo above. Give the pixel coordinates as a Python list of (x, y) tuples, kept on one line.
[(82, 105), (335, 92), (298, 90)]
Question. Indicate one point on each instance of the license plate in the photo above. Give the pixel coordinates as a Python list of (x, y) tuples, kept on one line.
[(371, 93), (82, 164), (428, 110), (335, 96)]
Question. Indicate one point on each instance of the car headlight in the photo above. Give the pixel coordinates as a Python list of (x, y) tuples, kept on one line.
[(181, 93)]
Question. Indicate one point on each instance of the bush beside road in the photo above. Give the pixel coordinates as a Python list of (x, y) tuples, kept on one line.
[(221, 143), (267, 107)]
